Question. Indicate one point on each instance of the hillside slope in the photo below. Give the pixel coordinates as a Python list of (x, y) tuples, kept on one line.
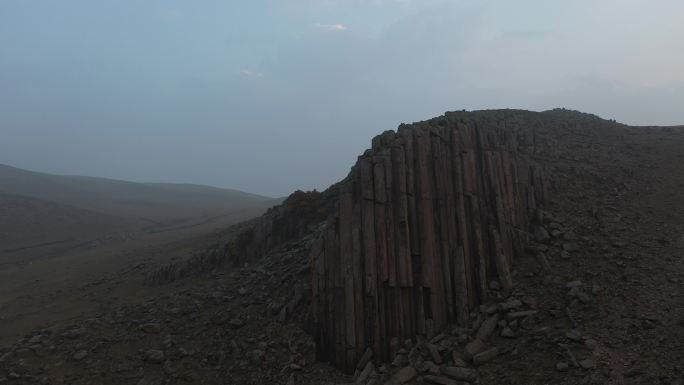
[(31, 222), (156, 202)]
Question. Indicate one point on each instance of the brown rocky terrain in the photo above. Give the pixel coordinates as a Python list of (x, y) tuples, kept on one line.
[(590, 291)]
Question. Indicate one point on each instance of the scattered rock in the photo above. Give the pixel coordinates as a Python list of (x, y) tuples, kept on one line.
[(365, 358), (573, 335), (434, 353), (80, 355), (404, 375), (587, 364), (541, 234), (432, 379), (154, 356), (520, 314), (256, 355), (570, 247), (508, 333), (487, 328), (236, 323), (583, 297), (365, 373), (509, 305), (35, 339), (562, 366), (151, 328), (461, 374), (473, 348), (74, 333), (486, 356), (591, 344)]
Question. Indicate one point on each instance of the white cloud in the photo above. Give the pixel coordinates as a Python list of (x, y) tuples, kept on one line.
[(331, 27), (251, 74)]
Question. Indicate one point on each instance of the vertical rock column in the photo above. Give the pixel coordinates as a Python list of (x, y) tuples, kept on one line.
[(425, 219)]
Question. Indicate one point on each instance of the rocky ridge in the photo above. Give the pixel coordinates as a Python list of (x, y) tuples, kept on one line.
[(426, 218), (596, 297)]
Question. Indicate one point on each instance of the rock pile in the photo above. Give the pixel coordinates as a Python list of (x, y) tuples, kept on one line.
[(452, 357)]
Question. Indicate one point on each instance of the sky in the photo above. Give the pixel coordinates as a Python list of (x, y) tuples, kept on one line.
[(269, 96)]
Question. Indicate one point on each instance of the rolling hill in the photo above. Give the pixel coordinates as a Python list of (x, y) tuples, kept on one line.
[(29, 222), (39, 210), (155, 202)]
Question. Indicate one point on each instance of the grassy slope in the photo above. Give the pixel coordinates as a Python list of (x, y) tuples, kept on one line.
[(156, 202), (29, 221)]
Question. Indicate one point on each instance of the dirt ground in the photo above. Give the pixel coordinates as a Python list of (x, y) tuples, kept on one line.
[(50, 286)]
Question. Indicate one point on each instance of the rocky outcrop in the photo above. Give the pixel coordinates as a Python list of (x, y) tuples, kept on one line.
[(299, 215), (425, 220)]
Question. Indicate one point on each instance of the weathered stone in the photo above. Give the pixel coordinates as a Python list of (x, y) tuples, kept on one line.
[(256, 355), (473, 348), (154, 356), (400, 360), (74, 333), (486, 356), (80, 355), (591, 344), (570, 247), (541, 235), (461, 374), (510, 304), (587, 364), (487, 328), (151, 328), (368, 369), (459, 362), (434, 353), (432, 379), (404, 375), (562, 366), (508, 333), (521, 314), (5, 357), (236, 323), (367, 355), (35, 339), (584, 297), (573, 335)]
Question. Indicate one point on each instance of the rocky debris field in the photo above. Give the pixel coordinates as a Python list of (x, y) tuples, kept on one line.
[(598, 298), (232, 327)]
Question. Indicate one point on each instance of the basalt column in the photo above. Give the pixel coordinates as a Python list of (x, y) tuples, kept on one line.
[(425, 220)]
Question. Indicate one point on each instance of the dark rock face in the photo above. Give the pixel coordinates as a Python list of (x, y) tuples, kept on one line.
[(424, 221), (298, 216)]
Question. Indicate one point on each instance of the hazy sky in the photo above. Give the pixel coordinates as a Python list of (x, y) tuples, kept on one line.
[(273, 95)]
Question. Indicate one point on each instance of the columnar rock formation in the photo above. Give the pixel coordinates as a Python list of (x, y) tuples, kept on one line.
[(424, 221)]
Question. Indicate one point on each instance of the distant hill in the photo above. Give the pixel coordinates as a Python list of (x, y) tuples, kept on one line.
[(30, 222), (40, 211), (161, 203)]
